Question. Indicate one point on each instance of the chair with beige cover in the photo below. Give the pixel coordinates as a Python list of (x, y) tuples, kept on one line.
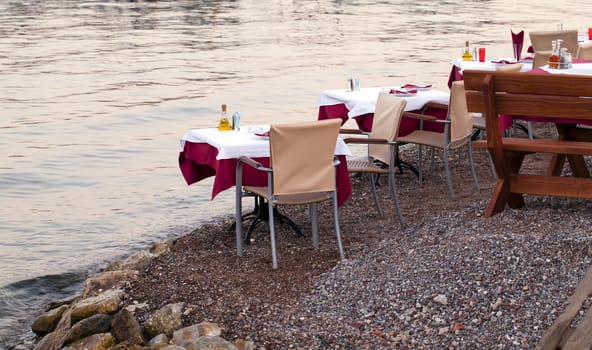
[(382, 147), (585, 51), (479, 121), (302, 171), (541, 44), (458, 128)]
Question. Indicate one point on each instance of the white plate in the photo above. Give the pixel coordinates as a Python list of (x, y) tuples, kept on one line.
[(418, 88), (407, 94)]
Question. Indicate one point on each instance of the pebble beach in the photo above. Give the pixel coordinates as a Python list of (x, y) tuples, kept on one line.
[(451, 279)]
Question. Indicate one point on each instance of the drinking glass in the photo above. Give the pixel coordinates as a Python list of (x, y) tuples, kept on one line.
[(350, 84), (481, 54)]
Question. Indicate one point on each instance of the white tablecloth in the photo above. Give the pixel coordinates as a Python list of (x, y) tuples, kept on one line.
[(364, 101), (577, 68), (233, 144), (487, 65)]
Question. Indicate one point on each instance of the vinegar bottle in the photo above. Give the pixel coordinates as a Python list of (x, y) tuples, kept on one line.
[(554, 57), (224, 124)]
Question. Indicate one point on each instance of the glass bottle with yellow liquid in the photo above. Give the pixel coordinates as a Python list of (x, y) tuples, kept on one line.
[(224, 124), (466, 56)]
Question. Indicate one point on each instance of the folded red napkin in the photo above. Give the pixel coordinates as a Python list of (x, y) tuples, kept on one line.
[(527, 58), (517, 42), (402, 92), (262, 134), (504, 62), (413, 86)]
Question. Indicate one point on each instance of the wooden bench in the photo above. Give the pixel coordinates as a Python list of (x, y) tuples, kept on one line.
[(554, 97)]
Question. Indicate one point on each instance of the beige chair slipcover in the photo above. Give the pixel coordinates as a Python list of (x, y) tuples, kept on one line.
[(382, 147), (457, 133), (302, 171), (585, 51), (541, 44), (479, 120)]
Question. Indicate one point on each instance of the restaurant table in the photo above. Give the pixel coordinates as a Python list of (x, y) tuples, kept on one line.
[(210, 152), (458, 66), (579, 66), (360, 105), (568, 129)]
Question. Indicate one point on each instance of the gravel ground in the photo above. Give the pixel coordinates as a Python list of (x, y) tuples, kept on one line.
[(450, 279)]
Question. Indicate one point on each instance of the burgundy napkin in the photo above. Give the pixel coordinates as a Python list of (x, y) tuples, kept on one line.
[(263, 134), (504, 62), (517, 42), (402, 92), (530, 49), (413, 86)]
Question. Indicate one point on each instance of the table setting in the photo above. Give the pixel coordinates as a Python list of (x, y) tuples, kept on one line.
[(362, 102), (209, 152), (578, 67), (360, 105)]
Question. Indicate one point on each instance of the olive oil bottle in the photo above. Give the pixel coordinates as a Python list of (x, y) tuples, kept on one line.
[(224, 124)]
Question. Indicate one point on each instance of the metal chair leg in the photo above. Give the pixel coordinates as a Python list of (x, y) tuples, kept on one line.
[(336, 223), (315, 224), (272, 236), (374, 195), (448, 177), (239, 209), (419, 165), (393, 187), (472, 165)]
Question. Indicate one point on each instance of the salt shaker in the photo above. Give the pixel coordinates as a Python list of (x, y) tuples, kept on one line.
[(236, 121)]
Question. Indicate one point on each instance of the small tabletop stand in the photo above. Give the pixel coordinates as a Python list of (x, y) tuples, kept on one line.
[(400, 164), (261, 214)]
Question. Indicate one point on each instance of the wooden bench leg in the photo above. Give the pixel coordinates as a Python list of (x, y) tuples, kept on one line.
[(501, 193), (515, 200), (499, 197), (578, 166), (556, 165), (576, 162)]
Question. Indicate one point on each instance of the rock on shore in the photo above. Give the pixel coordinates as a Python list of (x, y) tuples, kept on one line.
[(97, 319)]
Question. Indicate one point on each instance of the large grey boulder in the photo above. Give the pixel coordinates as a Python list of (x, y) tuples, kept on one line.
[(101, 341), (48, 321), (56, 339), (189, 334), (65, 301), (158, 342), (106, 280), (166, 320), (104, 303), (210, 343), (98, 323), (126, 328)]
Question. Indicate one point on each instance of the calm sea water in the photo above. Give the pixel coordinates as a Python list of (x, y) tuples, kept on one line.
[(96, 94)]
